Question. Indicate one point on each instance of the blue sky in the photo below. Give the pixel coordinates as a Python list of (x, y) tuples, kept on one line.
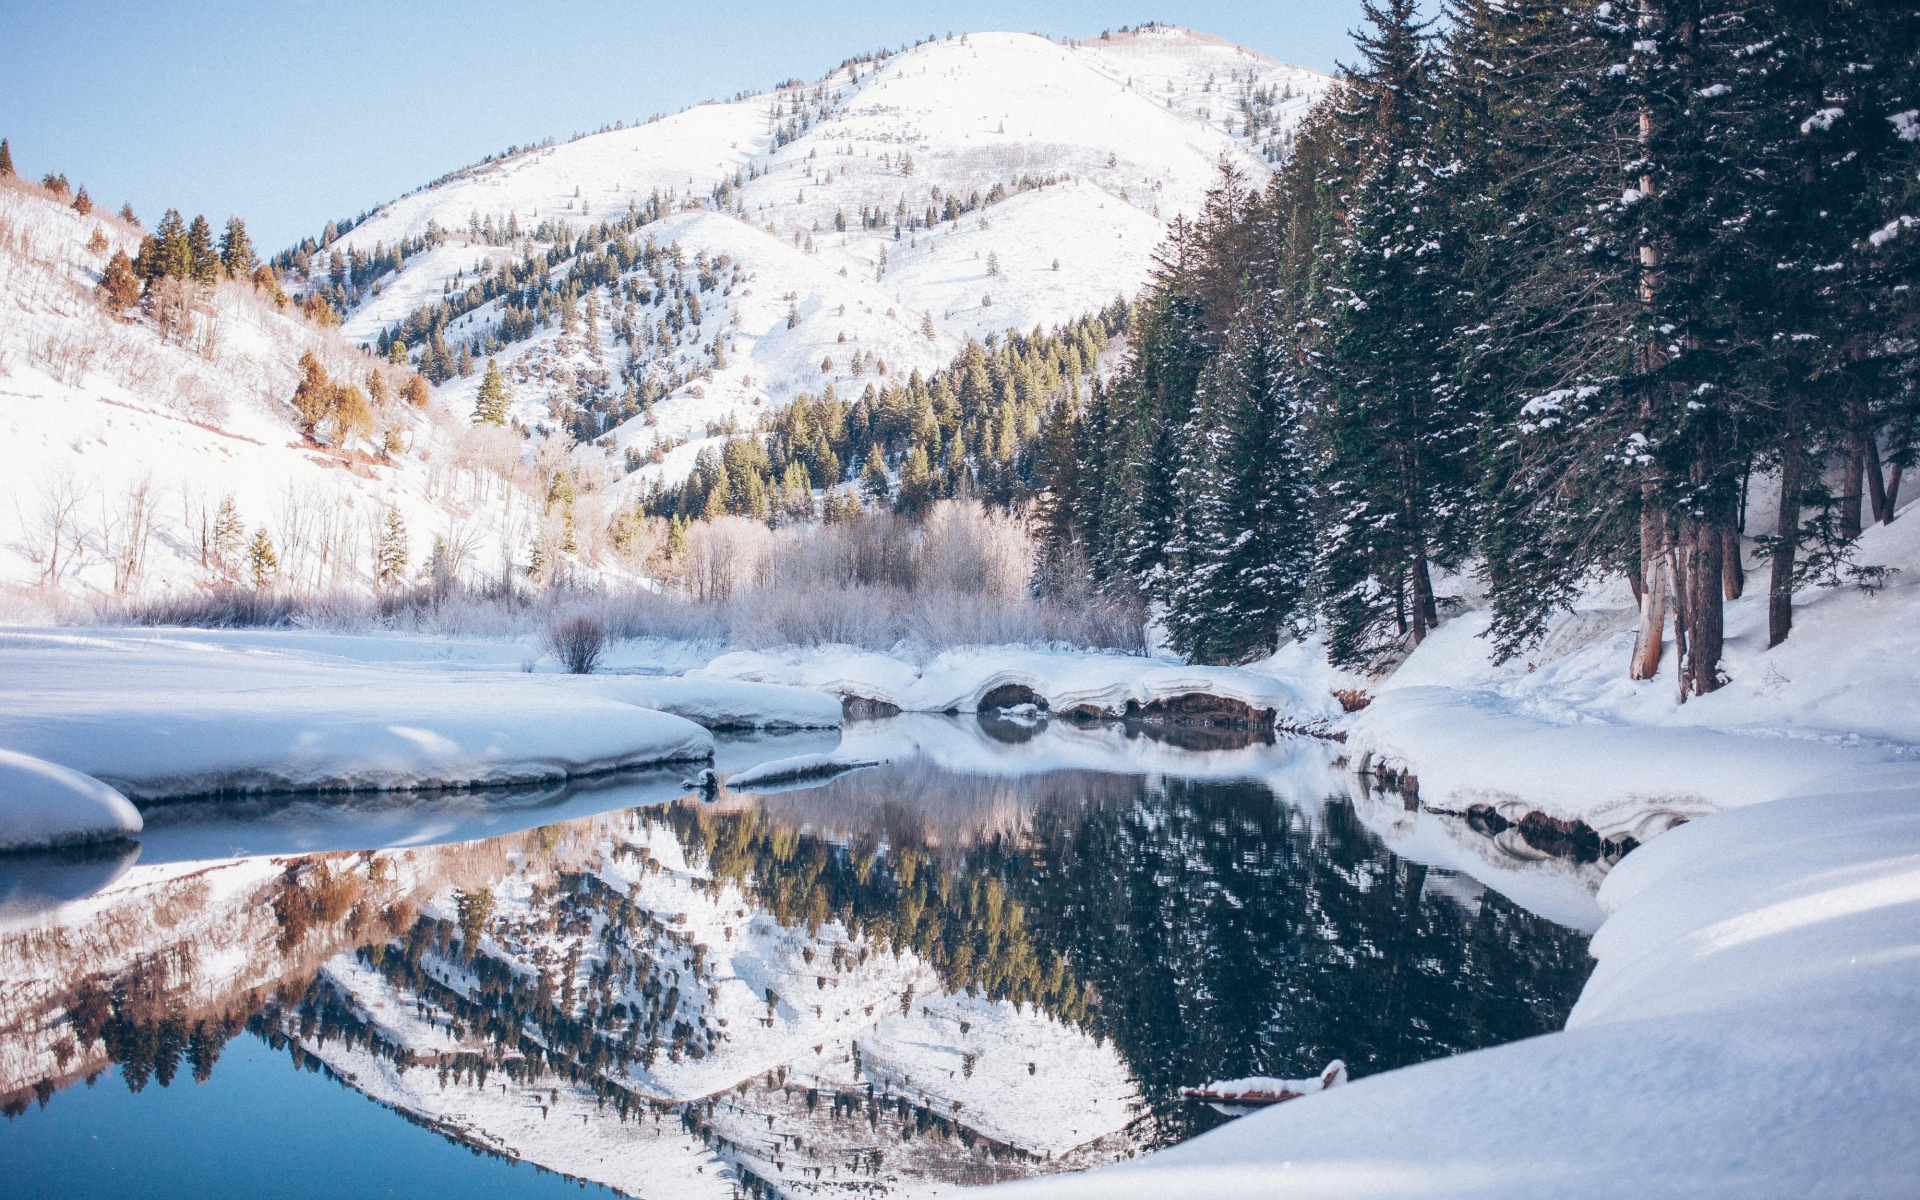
[(291, 114)]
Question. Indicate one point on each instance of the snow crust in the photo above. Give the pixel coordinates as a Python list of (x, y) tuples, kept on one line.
[(720, 704), (43, 805)]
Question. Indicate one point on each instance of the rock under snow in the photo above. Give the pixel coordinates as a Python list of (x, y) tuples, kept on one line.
[(970, 680)]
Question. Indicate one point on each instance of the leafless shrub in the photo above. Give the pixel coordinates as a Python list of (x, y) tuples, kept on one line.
[(814, 616), (726, 557), (52, 534), (66, 354), (197, 400), (126, 529), (211, 608), (577, 640), (174, 306)]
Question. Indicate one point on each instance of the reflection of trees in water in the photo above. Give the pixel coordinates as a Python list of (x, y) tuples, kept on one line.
[(1207, 928), (131, 984), (1226, 934), (908, 875)]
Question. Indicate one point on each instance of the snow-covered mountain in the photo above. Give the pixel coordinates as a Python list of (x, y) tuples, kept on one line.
[(654, 283), (874, 220)]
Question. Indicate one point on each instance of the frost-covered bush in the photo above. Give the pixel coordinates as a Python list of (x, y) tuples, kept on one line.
[(878, 582), (577, 640)]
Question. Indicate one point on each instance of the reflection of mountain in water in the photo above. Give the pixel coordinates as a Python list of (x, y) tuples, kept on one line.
[(904, 976)]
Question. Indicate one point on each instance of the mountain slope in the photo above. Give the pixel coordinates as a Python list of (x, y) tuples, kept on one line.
[(657, 284), (122, 438), (886, 214)]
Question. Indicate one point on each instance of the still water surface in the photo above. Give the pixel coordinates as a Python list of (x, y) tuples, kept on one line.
[(1002, 953)]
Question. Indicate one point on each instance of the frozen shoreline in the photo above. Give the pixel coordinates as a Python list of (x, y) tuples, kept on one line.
[(1748, 1029)]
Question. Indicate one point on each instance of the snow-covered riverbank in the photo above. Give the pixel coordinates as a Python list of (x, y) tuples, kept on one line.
[(1748, 1030)]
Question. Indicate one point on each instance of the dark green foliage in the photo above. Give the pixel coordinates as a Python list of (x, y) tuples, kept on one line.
[(1541, 295), (973, 429)]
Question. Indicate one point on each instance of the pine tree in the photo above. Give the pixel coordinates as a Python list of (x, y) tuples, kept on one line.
[(119, 287), (390, 550), (262, 563), (873, 476), (227, 542), (172, 256), (315, 395), (417, 392), (916, 482), (491, 404), (1243, 565), (6, 159), (82, 203), (1393, 431), (236, 250), (204, 257)]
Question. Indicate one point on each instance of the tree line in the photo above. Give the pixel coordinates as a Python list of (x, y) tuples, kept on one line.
[(1544, 291), (968, 430)]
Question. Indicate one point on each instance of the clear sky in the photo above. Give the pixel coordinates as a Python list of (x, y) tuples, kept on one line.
[(290, 114)]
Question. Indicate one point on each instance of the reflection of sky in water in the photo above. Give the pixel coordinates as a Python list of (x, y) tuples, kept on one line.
[(1180, 908)]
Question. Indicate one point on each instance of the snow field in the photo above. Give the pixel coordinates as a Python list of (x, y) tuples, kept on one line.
[(1830, 709), (165, 719)]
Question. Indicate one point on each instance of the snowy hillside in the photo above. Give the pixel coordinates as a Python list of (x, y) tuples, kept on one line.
[(834, 233), (148, 450)]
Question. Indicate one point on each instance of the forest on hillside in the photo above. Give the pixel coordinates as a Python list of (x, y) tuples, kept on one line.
[(1545, 291)]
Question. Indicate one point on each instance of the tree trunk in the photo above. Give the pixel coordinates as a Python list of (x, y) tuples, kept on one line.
[(1424, 609), (1850, 489), (1786, 546), (1733, 571), (1653, 593), (1706, 612), (1679, 568), (1893, 491), (1876, 485)]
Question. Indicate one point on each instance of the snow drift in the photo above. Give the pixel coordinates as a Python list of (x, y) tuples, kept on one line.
[(168, 719), (44, 806)]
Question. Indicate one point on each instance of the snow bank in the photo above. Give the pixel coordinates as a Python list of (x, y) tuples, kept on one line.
[(167, 719), (43, 805), (793, 770), (1748, 1033), (963, 680), (1562, 729), (719, 704), (1470, 748)]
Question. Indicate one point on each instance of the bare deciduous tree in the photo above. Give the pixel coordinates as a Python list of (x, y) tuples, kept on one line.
[(52, 533)]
